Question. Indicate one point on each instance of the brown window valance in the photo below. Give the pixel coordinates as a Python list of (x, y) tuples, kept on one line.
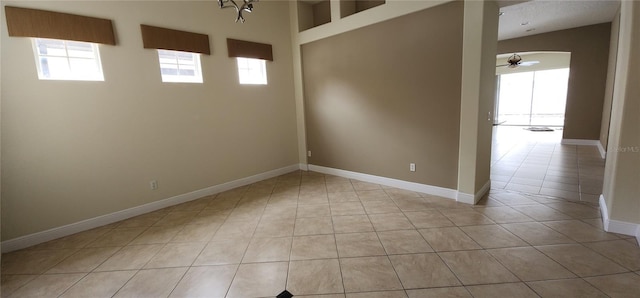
[(248, 49), (176, 40), (27, 22)]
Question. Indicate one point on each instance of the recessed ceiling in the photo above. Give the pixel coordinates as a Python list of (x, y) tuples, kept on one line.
[(534, 17)]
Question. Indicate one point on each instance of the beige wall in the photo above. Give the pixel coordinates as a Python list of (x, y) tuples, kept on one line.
[(377, 100), (621, 188), (338, 25), (589, 47), (76, 150), (611, 74), (477, 99), (321, 13)]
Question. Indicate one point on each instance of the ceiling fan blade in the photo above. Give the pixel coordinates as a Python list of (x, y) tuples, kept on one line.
[(502, 65), (529, 63)]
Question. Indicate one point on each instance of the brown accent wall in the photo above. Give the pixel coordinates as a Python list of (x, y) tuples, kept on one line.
[(589, 47), (321, 13), (383, 96)]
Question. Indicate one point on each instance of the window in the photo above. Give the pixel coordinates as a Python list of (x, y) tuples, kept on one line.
[(180, 67), (533, 98), (252, 71), (67, 60)]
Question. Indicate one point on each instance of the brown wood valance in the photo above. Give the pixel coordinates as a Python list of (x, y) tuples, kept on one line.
[(176, 40), (248, 49), (27, 22)]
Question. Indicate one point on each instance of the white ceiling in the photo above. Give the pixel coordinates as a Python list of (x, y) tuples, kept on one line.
[(546, 16)]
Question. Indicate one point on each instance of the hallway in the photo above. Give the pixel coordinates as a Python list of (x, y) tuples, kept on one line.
[(536, 163)]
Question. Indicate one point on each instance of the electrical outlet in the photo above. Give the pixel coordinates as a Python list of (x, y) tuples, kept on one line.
[(309, 153), (412, 167), (153, 184)]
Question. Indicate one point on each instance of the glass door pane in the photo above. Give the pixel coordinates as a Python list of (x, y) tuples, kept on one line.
[(514, 100), (549, 97)]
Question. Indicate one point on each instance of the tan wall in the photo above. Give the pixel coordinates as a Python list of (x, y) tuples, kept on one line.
[(621, 188), (589, 47), (611, 74), (477, 98), (366, 4), (321, 13), (377, 100), (487, 95), (77, 150)]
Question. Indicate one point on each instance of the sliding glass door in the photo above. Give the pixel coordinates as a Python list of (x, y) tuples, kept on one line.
[(535, 98)]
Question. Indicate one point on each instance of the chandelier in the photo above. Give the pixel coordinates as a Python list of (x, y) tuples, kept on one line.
[(247, 5)]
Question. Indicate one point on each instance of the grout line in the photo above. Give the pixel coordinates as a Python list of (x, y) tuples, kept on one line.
[(227, 218)]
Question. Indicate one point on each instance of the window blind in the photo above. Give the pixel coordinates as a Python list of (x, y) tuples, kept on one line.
[(248, 49), (27, 22), (176, 40)]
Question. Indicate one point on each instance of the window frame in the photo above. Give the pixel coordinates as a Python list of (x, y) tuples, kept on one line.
[(71, 76), (197, 78), (248, 78)]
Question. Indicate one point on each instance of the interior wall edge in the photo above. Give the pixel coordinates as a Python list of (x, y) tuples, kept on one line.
[(617, 226)]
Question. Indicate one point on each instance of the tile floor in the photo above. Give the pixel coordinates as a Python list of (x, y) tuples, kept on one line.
[(536, 162), (326, 236), (314, 234)]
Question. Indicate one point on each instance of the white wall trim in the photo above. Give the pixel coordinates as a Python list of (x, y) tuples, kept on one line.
[(473, 199), (580, 142), (465, 198), (389, 10), (622, 227), (87, 224), (603, 151), (617, 226), (604, 212), (303, 167), (418, 187), (483, 191)]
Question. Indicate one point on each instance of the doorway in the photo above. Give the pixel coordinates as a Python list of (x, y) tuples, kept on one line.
[(534, 98), (535, 93)]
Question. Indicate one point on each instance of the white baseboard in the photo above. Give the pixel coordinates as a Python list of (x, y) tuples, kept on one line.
[(483, 191), (44, 236), (418, 187), (580, 142), (473, 199), (603, 151), (617, 226), (303, 167), (604, 212), (466, 198)]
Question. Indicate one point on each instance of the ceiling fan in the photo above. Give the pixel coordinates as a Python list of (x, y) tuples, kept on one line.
[(515, 60)]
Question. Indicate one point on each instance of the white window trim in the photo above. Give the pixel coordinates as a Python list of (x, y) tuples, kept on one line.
[(197, 78), (248, 80), (71, 77)]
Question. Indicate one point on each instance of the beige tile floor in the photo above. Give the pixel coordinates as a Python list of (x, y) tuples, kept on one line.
[(536, 162), (537, 234), (314, 234)]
